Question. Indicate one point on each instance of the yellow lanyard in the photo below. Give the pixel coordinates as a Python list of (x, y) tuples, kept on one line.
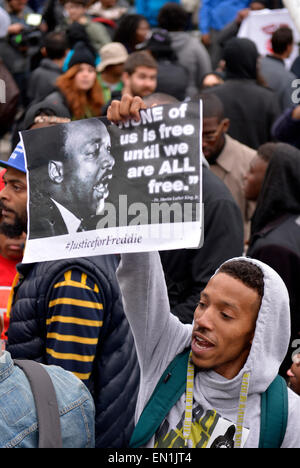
[(11, 295), (187, 425), (241, 410)]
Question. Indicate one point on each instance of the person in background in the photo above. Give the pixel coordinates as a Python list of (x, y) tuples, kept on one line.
[(139, 77), (191, 53), (110, 70), (42, 80), (172, 77), (150, 9), (286, 127), (211, 79), (214, 15), (140, 74), (41, 114), (232, 28), (75, 12), (132, 30), (251, 107), (273, 70), (78, 88), (254, 178), (111, 10), (228, 158), (275, 228), (14, 50), (11, 253)]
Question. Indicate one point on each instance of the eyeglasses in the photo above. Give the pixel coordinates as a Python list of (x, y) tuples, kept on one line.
[(211, 137)]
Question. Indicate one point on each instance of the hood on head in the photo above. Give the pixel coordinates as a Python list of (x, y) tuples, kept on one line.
[(280, 192), (241, 55), (272, 332)]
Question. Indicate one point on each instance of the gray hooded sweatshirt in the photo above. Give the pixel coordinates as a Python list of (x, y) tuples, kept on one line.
[(160, 336), (191, 54)]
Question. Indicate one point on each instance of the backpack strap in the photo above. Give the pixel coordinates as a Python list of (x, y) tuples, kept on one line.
[(172, 384), (169, 389), (46, 403), (274, 414)]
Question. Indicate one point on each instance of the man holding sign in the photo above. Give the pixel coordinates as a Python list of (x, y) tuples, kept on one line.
[(205, 385)]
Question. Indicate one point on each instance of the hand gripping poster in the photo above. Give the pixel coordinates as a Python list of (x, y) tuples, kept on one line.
[(97, 188)]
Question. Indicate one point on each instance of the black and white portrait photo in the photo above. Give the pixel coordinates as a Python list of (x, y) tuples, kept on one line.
[(69, 177)]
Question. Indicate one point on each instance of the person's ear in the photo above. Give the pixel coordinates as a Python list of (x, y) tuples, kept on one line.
[(56, 171), (226, 125), (126, 83)]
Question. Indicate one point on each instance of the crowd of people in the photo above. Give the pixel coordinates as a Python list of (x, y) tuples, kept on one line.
[(170, 349)]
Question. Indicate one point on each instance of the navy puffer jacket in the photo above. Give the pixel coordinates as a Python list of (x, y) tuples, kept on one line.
[(115, 378)]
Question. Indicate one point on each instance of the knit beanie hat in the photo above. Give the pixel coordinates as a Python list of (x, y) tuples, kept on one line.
[(82, 54)]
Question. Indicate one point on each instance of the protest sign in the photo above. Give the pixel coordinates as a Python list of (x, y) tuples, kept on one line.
[(260, 25), (293, 7), (97, 188)]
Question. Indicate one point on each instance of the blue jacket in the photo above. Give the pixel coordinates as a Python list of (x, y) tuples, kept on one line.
[(215, 14), (18, 422), (150, 9), (115, 377), (286, 128)]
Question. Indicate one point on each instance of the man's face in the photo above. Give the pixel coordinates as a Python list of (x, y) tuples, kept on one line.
[(12, 248), (74, 11), (18, 5), (213, 136), (88, 169), (294, 375), (13, 202), (224, 325), (142, 82), (254, 178)]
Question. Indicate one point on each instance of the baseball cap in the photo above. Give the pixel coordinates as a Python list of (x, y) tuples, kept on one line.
[(112, 53), (16, 159)]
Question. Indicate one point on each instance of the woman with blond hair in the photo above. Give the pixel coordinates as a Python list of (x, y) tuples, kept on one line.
[(78, 88)]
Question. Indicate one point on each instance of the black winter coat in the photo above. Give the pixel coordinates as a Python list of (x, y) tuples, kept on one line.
[(278, 245), (187, 271)]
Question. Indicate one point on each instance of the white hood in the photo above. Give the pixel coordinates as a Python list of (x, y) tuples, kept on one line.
[(269, 346)]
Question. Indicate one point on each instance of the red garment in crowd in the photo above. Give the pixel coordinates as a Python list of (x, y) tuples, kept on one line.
[(7, 274)]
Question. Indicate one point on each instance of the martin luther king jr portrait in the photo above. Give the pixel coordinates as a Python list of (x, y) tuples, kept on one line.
[(70, 167)]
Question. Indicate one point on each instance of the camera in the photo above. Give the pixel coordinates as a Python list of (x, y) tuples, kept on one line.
[(29, 37)]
